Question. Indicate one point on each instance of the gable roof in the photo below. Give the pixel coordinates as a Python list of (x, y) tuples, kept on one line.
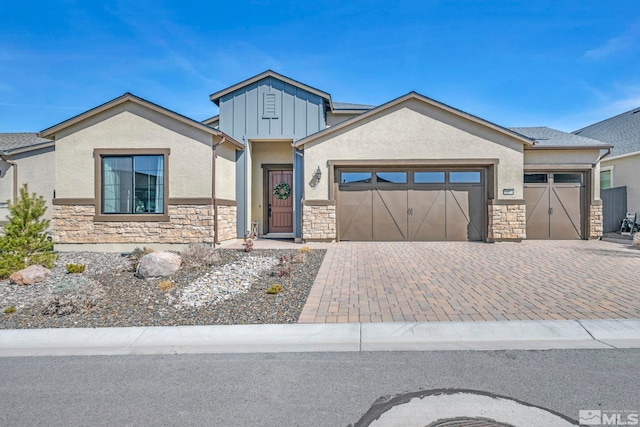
[(545, 137), (129, 97), (623, 131), (11, 143), (215, 97), (414, 95)]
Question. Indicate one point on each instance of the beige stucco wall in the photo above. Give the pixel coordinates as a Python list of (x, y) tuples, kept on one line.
[(415, 130), (265, 152), (564, 159), (626, 172), (226, 172), (35, 168), (130, 125)]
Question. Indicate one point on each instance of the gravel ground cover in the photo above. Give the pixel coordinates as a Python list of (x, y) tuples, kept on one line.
[(231, 292)]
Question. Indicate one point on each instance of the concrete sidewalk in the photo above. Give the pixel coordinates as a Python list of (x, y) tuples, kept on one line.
[(512, 335)]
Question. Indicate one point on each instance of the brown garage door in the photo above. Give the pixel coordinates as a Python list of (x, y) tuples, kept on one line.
[(415, 205), (554, 205)]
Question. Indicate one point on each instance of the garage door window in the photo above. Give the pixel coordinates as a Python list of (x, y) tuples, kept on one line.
[(391, 177), (355, 177), (535, 178), (567, 178), (428, 177), (465, 177)]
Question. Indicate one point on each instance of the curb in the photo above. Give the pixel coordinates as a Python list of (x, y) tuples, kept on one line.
[(344, 337)]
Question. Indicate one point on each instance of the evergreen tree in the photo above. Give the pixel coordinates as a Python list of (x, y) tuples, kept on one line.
[(25, 241)]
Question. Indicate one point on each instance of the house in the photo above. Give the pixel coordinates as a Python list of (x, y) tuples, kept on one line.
[(622, 167), (283, 159)]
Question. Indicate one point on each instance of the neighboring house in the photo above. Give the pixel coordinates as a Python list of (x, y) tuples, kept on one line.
[(25, 158), (622, 167), (283, 159)]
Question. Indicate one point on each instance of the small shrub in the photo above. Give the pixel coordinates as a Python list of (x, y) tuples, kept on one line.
[(10, 309), (248, 242), (75, 268), (274, 289), (284, 267), (136, 255), (299, 258), (304, 249), (165, 285), (200, 255), (75, 294)]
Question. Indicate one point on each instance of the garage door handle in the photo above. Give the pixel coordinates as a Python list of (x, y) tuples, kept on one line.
[(550, 211), (410, 211)]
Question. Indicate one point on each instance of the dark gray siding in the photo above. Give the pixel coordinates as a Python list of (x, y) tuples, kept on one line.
[(298, 113), (614, 208)]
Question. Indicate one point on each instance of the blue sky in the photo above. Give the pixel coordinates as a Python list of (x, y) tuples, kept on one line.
[(562, 64)]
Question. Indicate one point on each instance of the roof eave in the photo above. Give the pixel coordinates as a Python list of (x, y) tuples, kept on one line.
[(570, 147), (127, 97), (414, 95), (215, 97), (20, 150)]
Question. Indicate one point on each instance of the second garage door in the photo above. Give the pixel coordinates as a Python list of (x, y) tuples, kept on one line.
[(414, 205)]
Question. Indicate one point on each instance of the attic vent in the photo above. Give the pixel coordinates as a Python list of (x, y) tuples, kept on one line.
[(269, 106)]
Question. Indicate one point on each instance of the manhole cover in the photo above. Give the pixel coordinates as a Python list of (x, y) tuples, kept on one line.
[(468, 422), (458, 408)]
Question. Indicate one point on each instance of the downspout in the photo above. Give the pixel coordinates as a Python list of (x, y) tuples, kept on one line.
[(604, 155), (213, 191), (14, 165)]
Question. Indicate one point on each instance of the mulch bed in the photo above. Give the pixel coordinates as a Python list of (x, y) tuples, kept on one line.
[(131, 301)]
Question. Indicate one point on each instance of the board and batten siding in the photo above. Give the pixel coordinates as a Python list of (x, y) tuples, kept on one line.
[(271, 109)]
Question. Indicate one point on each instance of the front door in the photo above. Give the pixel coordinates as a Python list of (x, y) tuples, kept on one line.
[(280, 207)]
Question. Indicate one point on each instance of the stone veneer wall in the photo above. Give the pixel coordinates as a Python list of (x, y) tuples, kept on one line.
[(595, 222), (226, 222), (507, 222), (188, 224), (319, 222)]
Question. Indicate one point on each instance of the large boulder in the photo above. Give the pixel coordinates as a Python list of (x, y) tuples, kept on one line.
[(158, 264), (30, 275)]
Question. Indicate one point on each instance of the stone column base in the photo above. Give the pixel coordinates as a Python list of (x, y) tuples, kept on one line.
[(319, 222), (595, 221), (507, 220)]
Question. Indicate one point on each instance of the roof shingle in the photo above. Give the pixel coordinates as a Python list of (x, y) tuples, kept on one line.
[(13, 141), (623, 131), (544, 136)]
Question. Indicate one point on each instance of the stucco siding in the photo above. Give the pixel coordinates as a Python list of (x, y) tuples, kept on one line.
[(226, 172), (626, 172), (133, 126), (560, 157), (414, 130), (35, 168)]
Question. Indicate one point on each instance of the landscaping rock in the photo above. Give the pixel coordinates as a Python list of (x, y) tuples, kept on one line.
[(30, 275), (158, 264)]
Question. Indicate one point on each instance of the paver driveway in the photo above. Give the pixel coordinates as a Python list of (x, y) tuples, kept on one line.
[(452, 281)]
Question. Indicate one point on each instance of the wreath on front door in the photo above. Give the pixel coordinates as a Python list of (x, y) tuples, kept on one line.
[(282, 191)]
